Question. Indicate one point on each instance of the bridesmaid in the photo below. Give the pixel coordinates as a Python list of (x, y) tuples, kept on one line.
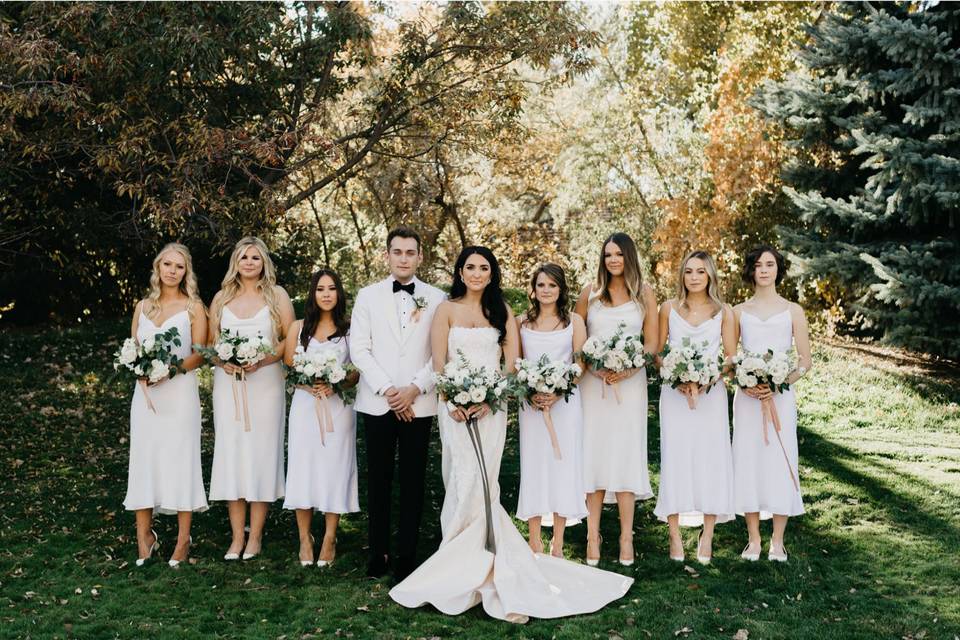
[(551, 490), (615, 433), (248, 465), (696, 465), (762, 486), (321, 472), (164, 474)]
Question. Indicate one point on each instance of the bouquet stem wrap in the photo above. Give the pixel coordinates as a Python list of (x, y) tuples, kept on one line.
[(146, 396), (324, 418), (489, 544), (616, 391), (692, 398), (240, 399), (769, 412), (554, 442)]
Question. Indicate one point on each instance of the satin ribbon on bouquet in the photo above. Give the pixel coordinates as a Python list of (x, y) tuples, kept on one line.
[(548, 420), (240, 399), (692, 397), (474, 432), (324, 417), (768, 411), (616, 390), (146, 396)]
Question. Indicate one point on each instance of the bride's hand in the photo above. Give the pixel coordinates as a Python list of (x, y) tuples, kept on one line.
[(457, 413), (478, 411)]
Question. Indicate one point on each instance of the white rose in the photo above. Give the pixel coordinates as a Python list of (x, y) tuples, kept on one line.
[(337, 374), (129, 353), (149, 343), (158, 370), (309, 369), (477, 394), (462, 398), (138, 370), (224, 351)]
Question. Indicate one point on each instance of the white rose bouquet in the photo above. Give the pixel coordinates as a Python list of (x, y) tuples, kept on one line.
[(689, 365), (545, 376), (240, 351), (616, 353), (310, 368), (772, 369), (463, 386), (151, 361)]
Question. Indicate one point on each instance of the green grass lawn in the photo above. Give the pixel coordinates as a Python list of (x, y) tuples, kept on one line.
[(876, 555)]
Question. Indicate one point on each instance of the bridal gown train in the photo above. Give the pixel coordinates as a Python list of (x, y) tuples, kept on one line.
[(512, 583)]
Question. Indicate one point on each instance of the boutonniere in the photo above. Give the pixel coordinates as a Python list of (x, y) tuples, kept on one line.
[(421, 304)]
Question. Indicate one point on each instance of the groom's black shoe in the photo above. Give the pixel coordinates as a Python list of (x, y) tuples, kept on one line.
[(403, 568), (377, 567)]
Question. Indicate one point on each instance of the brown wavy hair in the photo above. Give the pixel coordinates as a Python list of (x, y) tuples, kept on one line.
[(555, 273)]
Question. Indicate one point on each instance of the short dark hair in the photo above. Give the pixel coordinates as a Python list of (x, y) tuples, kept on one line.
[(750, 263), (403, 232)]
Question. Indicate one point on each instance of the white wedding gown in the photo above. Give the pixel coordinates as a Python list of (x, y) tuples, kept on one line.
[(512, 583)]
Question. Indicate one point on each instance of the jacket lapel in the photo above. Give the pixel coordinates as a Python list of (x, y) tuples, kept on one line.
[(389, 307)]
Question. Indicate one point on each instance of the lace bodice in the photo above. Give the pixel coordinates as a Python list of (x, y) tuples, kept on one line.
[(146, 329), (479, 345), (708, 331)]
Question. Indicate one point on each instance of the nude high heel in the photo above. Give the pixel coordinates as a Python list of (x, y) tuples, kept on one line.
[(592, 562), (307, 563), (176, 563)]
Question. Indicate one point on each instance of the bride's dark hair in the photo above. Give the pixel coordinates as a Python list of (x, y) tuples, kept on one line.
[(491, 302)]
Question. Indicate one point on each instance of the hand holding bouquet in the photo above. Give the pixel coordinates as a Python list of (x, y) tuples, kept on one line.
[(151, 361), (235, 353), (545, 377), (770, 370), (466, 388), (614, 354), (321, 367), (689, 367)]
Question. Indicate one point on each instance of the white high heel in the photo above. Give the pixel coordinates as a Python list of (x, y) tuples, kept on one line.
[(231, 556), (153, 547), (307, 563), (627, 563), (327, 563), (702, 559), (592, 562), (777, 557), (176, 563), (752, 557)]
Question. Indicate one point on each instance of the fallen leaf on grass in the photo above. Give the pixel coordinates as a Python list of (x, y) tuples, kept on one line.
[(684, 631), (741, 634)]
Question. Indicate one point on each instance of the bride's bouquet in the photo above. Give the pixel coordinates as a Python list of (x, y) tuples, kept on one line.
[(463, 386), (240, 351), (689, 364), (545, 376), (617, 352), (310, 368), (150, 361), (772, 369)]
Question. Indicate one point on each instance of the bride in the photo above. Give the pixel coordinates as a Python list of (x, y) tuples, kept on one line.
[(511, 582)]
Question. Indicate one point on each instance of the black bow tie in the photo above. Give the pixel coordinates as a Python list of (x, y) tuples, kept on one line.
[(403, 287)]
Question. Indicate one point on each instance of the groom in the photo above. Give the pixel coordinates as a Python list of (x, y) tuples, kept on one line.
[(390, 345)]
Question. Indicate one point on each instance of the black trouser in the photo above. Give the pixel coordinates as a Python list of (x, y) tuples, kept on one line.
[(383, 433)]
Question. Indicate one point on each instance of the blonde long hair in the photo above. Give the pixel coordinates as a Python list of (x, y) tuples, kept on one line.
[(713, 287), (632, 275), (231, 286), (188, 285)]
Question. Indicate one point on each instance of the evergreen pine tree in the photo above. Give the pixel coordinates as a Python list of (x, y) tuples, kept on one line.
[(875, 114)]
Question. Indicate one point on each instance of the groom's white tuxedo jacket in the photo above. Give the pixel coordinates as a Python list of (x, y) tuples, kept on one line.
[(388, 355)]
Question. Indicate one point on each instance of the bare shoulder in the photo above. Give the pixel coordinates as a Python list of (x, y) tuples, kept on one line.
[(727, 311), (667, 305), (508, 309), (281, 293), (796, 312), (585, 293), (577, 321)]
